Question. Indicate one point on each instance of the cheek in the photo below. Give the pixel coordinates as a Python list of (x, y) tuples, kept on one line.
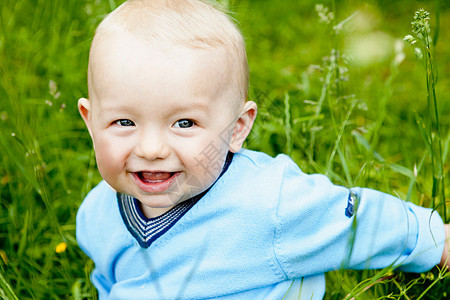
[(204, 159), (111, 157)]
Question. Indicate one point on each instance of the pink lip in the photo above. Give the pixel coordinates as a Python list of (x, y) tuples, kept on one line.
[(155, 186)]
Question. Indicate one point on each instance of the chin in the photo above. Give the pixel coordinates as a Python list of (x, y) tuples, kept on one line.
[(158, 201)]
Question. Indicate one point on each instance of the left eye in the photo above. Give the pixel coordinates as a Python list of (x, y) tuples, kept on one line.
[(184, 123), (124, 122)]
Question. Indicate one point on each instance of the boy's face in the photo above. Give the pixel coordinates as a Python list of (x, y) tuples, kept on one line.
[(162, 120)]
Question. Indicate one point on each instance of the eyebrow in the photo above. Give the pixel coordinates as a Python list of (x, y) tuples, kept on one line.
[(179, 108), (191, 107)]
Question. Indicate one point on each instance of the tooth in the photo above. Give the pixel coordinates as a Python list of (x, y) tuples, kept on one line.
[(156, 176)]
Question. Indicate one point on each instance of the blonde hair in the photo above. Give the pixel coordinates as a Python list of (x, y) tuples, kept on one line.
[(190, 23)]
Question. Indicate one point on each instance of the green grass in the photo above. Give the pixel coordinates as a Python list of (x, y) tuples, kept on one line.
[(335, 109)]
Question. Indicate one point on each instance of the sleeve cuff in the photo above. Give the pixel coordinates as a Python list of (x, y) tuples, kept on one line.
[(430, 239)]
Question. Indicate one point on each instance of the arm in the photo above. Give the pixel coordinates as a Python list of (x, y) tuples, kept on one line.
[(445, 260), (100, 201)]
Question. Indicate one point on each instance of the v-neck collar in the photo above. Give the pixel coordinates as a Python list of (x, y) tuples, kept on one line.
[(147, 230)]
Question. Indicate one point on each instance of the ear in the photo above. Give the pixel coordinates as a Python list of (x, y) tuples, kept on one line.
[(84, 107), (243, 126)]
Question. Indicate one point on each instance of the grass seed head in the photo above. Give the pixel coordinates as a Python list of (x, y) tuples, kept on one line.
[(421, 24)]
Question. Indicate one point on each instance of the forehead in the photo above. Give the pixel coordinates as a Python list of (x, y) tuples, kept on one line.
[(123, 58)]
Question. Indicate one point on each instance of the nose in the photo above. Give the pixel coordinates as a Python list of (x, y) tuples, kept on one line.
[(152, 145)]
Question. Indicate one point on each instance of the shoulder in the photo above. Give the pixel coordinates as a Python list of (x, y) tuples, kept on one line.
[(255, 179), (280, 169), (252, 171), (98, 218), (260, 160), (100, 196)]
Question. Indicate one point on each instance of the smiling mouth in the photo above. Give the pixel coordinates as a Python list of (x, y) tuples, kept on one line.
[(154, 177), (155, 182)]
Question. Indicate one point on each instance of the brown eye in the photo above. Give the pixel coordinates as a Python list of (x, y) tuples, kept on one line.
[(183, 123)]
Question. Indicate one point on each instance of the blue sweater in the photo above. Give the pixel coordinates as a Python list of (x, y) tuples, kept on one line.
[(263, 231)]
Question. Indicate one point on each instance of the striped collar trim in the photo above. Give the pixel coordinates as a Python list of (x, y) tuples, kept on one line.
[(147, 230)]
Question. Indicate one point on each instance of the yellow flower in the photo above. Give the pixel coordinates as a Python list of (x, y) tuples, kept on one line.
[(4, 257), (61, 247), (5, 179)]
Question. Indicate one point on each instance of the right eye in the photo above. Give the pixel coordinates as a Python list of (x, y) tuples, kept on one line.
[(124, 122), (184, 123)]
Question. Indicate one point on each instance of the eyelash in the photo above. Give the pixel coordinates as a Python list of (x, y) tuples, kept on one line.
[(127, 123), (191, 123), (122, 121)]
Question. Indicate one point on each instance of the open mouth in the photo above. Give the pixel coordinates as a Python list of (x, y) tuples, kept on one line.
[(154, 177), (155, 182)]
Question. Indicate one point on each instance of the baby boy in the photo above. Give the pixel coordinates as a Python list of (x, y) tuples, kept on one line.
[(184, 211)]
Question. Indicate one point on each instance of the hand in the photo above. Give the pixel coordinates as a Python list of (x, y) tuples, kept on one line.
[(445, 260)]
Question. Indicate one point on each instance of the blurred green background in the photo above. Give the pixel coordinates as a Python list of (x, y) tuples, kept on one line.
[(357, 124)]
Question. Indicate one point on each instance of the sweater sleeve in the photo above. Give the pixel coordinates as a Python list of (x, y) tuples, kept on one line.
[(323, 227), (88, 233)]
